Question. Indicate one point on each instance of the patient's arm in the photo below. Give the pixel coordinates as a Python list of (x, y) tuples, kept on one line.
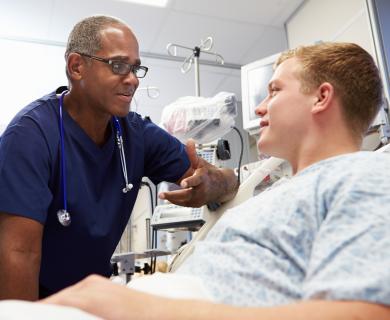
[(103, 298), (20, 257)]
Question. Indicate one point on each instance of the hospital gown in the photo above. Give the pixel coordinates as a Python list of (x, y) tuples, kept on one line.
[(323, 234)]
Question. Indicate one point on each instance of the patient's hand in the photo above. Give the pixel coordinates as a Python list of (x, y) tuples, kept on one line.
[(108, 300), (105, 299)]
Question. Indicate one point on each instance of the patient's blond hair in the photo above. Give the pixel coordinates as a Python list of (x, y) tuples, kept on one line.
[(352, 72)]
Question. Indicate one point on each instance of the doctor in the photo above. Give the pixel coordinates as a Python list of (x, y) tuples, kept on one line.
[(71, 164)]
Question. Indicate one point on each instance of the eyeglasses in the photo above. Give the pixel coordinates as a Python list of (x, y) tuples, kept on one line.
[(120, 67)]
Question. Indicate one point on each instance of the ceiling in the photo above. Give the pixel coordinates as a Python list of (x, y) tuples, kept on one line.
[(243, 31)]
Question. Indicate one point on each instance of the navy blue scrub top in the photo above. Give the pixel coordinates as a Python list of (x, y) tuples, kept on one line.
[(30, 185)]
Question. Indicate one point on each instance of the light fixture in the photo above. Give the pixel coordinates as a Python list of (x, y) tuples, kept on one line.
[(154, 3)]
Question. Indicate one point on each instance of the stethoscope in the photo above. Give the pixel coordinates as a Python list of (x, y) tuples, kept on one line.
[(63, 215)]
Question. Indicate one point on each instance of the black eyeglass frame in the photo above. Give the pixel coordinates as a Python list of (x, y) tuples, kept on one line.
[(129, 67)]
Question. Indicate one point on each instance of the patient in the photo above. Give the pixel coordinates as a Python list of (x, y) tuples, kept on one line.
[(316, 246)]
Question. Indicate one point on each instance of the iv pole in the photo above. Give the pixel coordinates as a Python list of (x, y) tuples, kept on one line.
[(205, 47)]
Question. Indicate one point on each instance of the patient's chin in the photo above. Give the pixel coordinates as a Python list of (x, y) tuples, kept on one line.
[(263, 147)]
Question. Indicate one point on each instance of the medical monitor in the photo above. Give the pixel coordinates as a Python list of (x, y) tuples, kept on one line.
[(254, 85)]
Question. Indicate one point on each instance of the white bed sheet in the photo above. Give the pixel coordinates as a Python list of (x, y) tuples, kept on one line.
[(17, 310)]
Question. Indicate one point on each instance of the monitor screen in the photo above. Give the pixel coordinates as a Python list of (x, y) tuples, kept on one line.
[(254, 84)]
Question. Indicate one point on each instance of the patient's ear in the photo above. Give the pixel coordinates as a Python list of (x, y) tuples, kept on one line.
[(323, 98)]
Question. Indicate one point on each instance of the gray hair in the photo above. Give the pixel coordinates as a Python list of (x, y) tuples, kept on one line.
[(85, 36)]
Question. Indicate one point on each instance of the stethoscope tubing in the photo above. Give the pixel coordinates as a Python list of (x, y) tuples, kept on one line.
[(63, 155), (119, 139), (63, 215)]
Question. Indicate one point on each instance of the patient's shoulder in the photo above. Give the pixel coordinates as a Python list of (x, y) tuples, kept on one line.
[(368, 165), (362, 163)]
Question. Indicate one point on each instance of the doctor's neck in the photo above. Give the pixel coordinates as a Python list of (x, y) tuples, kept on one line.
[(94, 122)]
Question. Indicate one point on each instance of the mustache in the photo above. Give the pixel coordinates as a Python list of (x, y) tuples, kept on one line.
[(127, 92)]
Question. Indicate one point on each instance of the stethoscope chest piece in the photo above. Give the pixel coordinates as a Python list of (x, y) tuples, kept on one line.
[(128, 187), (63, 217)]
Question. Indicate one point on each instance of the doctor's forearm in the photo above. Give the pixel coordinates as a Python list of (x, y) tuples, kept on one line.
[(20, 257)]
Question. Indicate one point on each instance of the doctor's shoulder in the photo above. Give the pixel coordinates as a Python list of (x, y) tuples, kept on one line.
[(142, 125), (36, 121)]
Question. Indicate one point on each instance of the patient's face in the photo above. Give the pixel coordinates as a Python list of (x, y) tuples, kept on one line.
[(285, 113)]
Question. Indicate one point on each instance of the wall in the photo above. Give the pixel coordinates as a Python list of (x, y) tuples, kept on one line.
[(331, 20), (380, 21), (29, 71)]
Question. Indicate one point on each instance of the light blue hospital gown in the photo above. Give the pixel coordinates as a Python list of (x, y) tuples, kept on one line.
[(323, 234)]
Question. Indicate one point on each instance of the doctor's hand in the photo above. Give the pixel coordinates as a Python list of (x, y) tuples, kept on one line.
[(202, 183)]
